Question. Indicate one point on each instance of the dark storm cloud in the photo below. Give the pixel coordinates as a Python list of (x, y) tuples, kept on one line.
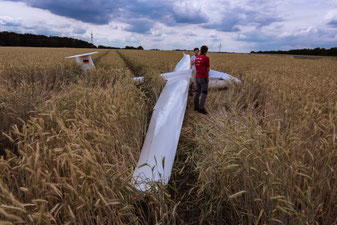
[(333, 23), (189, 16), (140, 26), (90, 11), (228, 24), (190, 19), (140, 15), (239, 16)]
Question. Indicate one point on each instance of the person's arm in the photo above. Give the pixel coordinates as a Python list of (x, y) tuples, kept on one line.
[(192, 60), (208, 66)]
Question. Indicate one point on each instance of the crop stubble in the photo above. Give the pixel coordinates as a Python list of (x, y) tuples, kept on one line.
[(266, 153)]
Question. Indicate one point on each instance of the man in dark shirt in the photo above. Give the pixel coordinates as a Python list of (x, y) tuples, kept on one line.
[(202, 67)]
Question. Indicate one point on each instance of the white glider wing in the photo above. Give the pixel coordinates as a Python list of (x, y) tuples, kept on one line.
[(160, 145)]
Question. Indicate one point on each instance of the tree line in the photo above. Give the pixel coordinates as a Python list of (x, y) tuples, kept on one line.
[(33, 40), (126, 47), (306, 51)]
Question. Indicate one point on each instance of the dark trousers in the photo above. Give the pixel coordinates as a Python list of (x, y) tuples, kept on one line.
[(201, 87)]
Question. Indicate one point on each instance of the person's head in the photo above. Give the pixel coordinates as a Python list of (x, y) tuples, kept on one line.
[(203, 50), (196, 51)]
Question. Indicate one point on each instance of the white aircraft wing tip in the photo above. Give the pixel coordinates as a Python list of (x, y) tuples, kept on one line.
[(85, 54)]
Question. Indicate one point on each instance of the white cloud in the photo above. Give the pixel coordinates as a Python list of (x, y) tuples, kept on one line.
[(240, 25), (10, 21)]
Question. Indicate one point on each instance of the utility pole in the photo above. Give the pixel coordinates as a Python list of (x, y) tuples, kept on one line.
[(220, 47), (92, 38)]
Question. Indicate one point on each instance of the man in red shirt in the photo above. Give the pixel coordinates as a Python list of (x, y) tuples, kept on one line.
[(202, 67)]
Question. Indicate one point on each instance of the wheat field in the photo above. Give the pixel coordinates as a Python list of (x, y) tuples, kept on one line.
[(265, 153)]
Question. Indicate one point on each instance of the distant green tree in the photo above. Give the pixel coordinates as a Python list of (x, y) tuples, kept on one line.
[(305, 51), (32, 40), (107, 47)]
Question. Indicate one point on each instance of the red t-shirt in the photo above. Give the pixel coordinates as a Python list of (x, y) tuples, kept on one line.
[(201, 65)]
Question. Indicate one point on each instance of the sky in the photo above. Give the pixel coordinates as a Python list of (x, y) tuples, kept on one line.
[(239, 25)]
